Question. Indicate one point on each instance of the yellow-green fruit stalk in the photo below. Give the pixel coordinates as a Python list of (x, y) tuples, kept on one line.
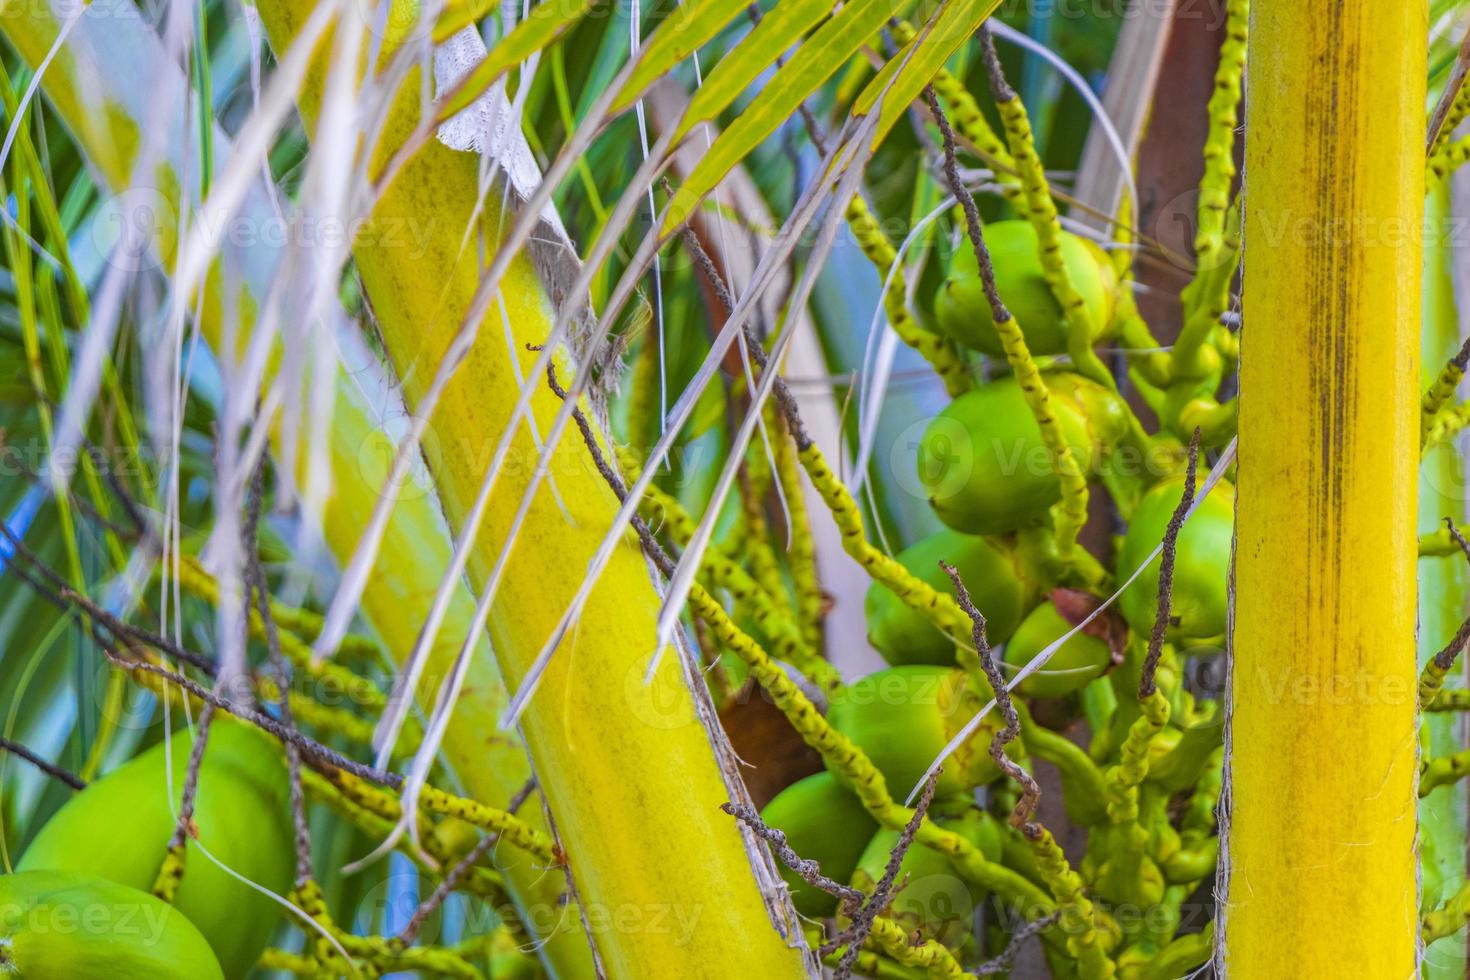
[(983, 460), (905, 636), (1321, 874), (1120, 867), (119, 828), (67, 925), (1443, 583), (825, 822), (1072, 666), (903, 716), (964, 314), (933, 896), (1178, 756), (1198, 603)]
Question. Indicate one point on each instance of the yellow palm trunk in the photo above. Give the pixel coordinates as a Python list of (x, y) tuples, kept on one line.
[(664, 878), (1321, 866)]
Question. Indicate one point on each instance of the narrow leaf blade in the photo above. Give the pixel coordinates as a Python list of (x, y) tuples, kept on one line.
[(683, 33), (777, 32), (459, 14), (919, 61), (818, 59)]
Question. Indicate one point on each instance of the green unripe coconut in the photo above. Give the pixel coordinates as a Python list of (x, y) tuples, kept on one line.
[(963, 313), (1123, 861), (903, 717), (1074, 664), (119, 828), (824, 822), (930, 893), (983, 461), (905, 636), (65, 925), (1201, 567)]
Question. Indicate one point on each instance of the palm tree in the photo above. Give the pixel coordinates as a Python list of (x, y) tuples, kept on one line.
[(513, 431)]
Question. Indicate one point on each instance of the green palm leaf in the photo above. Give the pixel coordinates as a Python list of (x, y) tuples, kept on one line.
[(678, 38), (919, 61), (817, 60)]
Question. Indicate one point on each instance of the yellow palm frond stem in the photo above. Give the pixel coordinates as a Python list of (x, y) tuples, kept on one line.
[(491, 764), (625, 765), (1322, 742), (92, 86)]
